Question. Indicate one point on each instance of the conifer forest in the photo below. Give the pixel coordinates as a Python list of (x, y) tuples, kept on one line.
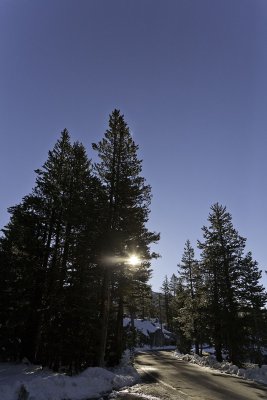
[(75, 259)]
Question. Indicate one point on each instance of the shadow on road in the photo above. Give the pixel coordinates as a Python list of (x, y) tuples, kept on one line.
[(148, 377), (193, 382)]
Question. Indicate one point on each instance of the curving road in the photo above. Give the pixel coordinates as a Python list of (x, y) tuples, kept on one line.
[(167, 378)]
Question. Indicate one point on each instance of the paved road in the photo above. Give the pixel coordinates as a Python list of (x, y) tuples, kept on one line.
[(167, 378)]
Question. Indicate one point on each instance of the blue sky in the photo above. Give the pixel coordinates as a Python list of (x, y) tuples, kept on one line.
[(190, 78)]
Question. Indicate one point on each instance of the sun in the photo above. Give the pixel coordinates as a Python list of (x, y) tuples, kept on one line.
[(133, 259)]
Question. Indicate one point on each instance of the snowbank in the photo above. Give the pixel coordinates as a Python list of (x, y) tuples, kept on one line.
[(153, 348), (254, 373), (17, 381)]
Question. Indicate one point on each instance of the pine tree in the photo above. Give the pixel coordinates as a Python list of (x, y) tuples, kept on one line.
[(188, 269), (51, 243), (252, 298), (173, 284), (191, 317), (181, 316), (222, 252), (167, 302), (78, 202), (129, 199), (22, 276)]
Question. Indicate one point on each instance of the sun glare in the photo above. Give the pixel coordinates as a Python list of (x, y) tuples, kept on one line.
[(133, 260)]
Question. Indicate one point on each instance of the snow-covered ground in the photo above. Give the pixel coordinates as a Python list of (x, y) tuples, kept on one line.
[(17, 381), (31, 382), (21, 381), (252, 372)]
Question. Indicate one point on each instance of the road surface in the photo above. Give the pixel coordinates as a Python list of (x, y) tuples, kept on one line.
[(168, 378)]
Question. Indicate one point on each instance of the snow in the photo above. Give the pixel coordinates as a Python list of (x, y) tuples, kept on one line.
[(148, 348), (146, 326), (27, 381), (139, 396), (24, 380), (253, 372), (43, 384)]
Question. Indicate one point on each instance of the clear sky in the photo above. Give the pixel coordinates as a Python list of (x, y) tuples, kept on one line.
[(190, 77)]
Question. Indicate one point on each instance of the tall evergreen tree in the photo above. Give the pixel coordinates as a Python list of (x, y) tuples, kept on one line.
[(174, 284), (181, 321), (167, 301), (22, 276), (222, 251), (50, 251), (129, 198), (191, 316), (73, 263), (252, 299), (188, 269)]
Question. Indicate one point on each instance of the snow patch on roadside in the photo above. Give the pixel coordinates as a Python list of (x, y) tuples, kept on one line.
[(258, 374), (153, 348), (130, 395), (35, 383)]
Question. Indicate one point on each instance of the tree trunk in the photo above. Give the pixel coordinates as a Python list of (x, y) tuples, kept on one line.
[(104, 316), (196, 347), (119, 338), (218, 348)]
